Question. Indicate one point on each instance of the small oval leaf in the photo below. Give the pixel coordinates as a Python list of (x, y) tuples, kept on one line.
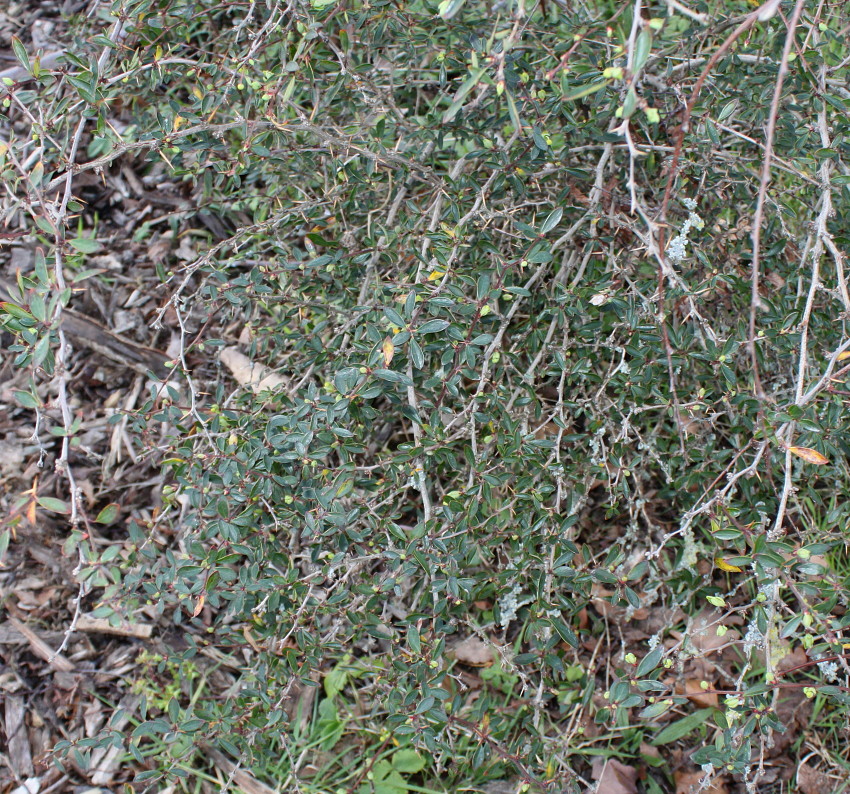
[(388, 350), (809, 455), (108, 514)]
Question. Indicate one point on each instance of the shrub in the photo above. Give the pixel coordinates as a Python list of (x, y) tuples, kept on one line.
[(549, 304)]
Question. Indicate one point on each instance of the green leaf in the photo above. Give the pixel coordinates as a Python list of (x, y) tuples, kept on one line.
[(514, 112), (539, 140), (108, 514), (13, 310), (649, 662), (564, 632), (655, 710), (413, 639), (433, 326), (461, 95), (553, 219), (54, 505), (85, 245), (408, 761), (630, 103), (391, 376), (676, 730), (642, 48), (417, 357), (150, 728), (448, 8), (394, 317), (21, 53), (26, 399), (587, 90)]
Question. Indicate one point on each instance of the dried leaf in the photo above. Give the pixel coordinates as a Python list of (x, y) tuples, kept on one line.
[(703, 632), (813, 781), (693, 690), (199, 606), (388, 349), (689, 782), (809, 455), (246, 373), (614, 777), (474, 652)]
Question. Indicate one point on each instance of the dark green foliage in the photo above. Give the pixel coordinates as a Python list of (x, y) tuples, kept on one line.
[(500, 400)]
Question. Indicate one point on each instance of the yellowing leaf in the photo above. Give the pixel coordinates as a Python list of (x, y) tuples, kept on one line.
[(388, 350), (437, 274), (725, 566), (809, 455), (178, 121), (844, 355)]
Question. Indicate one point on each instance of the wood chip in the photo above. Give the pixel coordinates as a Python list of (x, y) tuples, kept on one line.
[(106, 761), (17, 743), (9, 635), (41, 649), (32, 785), (97, 337), (123, 629)]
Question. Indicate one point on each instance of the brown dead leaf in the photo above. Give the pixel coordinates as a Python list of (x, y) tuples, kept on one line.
[(247, 373), (703, 632), (813, 781), (693, 690), (661, 618), (607, 610), (689, 782), (11, 457), (793, 710), (794, 658), (614, 777), (809, 455), (474, 652), (158, 250), (775, 279), (388, 349)]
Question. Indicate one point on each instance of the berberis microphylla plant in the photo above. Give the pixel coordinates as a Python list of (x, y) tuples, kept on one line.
[(484, 376)]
